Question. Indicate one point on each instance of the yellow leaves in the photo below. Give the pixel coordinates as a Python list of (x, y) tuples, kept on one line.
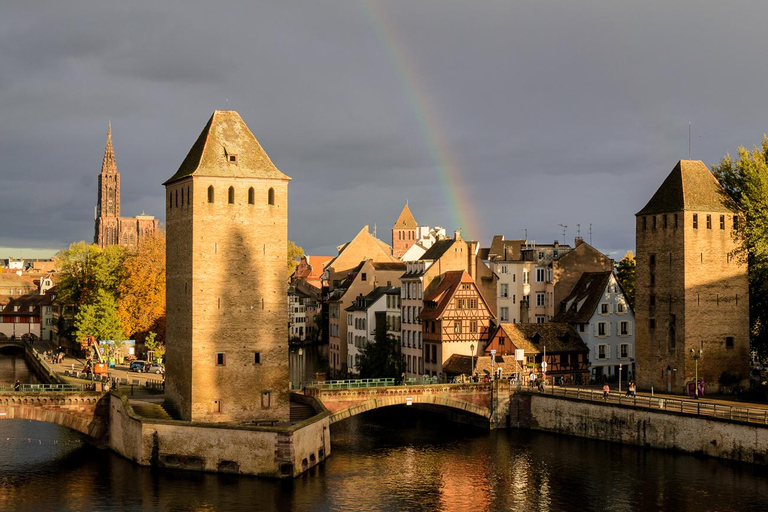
[(141, 292)]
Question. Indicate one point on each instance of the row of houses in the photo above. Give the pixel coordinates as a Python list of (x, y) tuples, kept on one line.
[(27, 300), (450, 302)]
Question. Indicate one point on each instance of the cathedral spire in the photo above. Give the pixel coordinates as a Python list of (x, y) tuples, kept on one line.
[(109, 164)]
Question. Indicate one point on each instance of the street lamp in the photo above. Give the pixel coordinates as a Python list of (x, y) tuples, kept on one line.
[(472, 372), (301, 368), (696, 355)]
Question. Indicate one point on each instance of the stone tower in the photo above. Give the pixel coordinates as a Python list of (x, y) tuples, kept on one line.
[(227, 319), (692, 290), (404, 232), (108, 204)]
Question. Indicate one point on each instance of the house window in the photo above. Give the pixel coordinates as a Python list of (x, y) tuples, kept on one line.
[(257, 357), (271, 196), (251, 196), (221, 359), (601, 328), (210, 194), (503, 269), (604, 309), (624, 350), (472, 303), (540, 319), (722, 222), (457, 327), (231, 195), (363, 276), (735, 222), (729, 342), (505, 290), (624, 326), (581, 327), (602, 351), (525, 277), (473, 326), (695, 221), (539, 298), (540, 275), (709, 222), (504, 314)]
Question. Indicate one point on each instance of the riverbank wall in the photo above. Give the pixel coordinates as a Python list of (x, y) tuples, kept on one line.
[(669, 430), (266, 451)]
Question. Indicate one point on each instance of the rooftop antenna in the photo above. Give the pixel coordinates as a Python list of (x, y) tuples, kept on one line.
[(578, 230), (564, 226), (590, 233), (526, 234), (374, 230), (689, 140)]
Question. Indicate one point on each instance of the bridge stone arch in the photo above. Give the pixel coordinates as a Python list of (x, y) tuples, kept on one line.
[(87, 413), (466, 399)]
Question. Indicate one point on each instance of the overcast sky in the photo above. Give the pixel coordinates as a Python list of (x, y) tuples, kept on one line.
[(492, 116)]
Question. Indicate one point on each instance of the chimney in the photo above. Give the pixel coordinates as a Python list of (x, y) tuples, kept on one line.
[(457, 234), (578, 241)]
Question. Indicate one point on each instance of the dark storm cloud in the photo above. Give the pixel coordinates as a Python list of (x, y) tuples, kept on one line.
[(555, 112)]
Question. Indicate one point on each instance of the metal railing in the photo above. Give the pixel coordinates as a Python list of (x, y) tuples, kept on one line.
[(35, 388), (692, 407), (347, 384)]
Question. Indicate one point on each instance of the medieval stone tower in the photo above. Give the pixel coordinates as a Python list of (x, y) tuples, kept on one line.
[(227, 320), (404, 232), (691, 288)]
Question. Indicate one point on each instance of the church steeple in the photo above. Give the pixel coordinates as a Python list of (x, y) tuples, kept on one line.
[(109, 164)]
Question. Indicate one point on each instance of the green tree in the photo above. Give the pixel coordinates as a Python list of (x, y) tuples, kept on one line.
[(99, 319), (381, 358), (294, 255), (84, 269), (745, 178), (625, 271)]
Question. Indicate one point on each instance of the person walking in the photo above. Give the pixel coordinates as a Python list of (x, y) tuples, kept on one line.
[(606, 391), (17, 385)]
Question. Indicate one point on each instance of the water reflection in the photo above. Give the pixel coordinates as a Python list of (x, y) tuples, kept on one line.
[(13, 366)]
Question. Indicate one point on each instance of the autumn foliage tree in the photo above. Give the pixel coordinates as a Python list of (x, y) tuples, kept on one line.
[(141, 289)]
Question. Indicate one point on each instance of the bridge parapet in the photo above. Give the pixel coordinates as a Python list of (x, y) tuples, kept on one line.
[(85, 412)]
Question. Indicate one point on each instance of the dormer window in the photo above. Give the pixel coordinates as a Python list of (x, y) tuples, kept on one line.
[(232, 158)]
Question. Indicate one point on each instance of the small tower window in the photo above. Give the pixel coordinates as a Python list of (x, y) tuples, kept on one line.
[(177, 199), (210, 194), (231, 195), (251, 198), (271, 196), (233, 158), (182, 197), (695, 221)]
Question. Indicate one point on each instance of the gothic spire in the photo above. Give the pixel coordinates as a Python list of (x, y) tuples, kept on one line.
[(109, 164)]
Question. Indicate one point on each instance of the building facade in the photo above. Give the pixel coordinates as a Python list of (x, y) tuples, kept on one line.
[(111, 228), (692, 292), (226, 301)]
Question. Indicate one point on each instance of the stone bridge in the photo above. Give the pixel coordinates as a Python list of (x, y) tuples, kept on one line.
[(487, 401), (86, 412)]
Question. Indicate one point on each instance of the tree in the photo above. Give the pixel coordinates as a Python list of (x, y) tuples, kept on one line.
[(294, 255), (153, 345), (85, 269), (381, 357), (746, 180), (625, 271), (141, 288), (99, 319)]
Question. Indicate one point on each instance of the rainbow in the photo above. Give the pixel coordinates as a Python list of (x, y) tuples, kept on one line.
[(425, 114)]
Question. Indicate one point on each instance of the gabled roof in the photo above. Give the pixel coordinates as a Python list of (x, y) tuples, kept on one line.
[(438, 249), (362, 304), (397, 266), (363, 238), (532, 338), (583, 300), (443, 294), (406, 220), (500, 247), (227, 135), (689, 187)]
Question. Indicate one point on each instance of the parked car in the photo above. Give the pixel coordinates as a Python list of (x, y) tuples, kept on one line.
[(155, 368), (138, 365)]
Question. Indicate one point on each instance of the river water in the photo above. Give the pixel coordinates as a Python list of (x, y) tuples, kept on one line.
[(392, 459)]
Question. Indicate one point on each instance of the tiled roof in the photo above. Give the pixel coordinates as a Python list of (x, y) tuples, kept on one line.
[(557, 337), (689, 187), (443, 294), (370, 299), (438, 249), (500, 247), (406, 220), (227, 135), (458, 364), (584, 298), (389, 265)]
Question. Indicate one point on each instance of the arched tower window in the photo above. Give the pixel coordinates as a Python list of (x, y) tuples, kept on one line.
[(210, 194), (231, 195), (182, 197), (251, 199), (177, 199), (170, 199), (271, 196)]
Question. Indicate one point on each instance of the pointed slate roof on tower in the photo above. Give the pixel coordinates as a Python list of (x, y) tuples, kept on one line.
[(690, 186), (406, 220), (109, 164), (226, 147)]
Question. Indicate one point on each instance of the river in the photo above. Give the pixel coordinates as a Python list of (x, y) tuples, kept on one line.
[(391, 459)]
